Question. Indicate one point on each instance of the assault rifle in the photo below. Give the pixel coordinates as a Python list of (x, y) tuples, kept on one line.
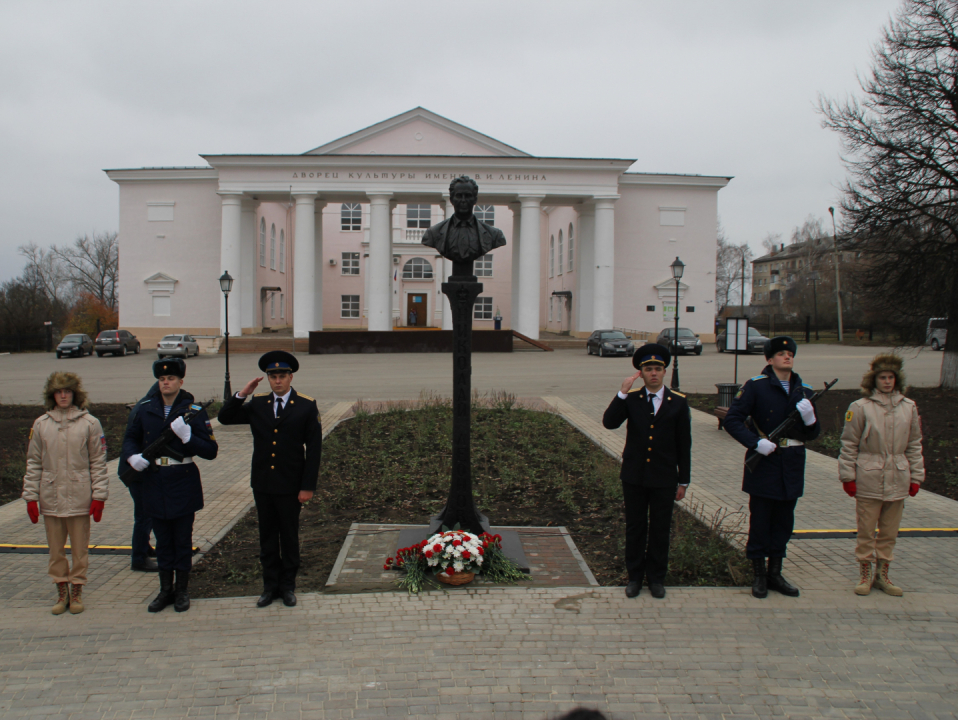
[(159, 447), (755, 457)]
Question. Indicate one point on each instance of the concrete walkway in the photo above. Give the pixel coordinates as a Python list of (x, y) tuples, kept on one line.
[(523, 652)]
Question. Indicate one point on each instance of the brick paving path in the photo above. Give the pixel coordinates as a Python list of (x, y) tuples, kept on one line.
[(523, 652)]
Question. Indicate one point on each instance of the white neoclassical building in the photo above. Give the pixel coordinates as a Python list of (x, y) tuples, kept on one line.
[(331, 238)]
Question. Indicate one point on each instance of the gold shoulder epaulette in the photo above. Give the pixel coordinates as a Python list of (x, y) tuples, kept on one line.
[(261, 394), (635, 390), (675, 392), (306, 397)]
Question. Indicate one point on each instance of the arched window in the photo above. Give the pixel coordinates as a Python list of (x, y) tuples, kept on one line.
[(262, 242), (272, 247), (571, 246), (351, 216), (282, 251), (417, 269), (552, 256), (560, 252)]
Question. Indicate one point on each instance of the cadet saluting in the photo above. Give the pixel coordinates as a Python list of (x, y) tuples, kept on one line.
[(287, 446), (779, 479)]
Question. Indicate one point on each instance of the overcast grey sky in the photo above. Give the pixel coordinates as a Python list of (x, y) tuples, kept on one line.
[(715, 87)]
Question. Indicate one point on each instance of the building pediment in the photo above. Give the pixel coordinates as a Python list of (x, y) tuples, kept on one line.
[(418, 132), (666, 289), (161, 283)]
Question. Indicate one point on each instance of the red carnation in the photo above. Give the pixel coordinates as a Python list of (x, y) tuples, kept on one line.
[(466, 554), (450, 571), (456, 543), (437, 547), (428, 554), (386, 566), (481, 551)]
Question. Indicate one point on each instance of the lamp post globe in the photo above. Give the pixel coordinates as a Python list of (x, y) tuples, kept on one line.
[(226, 284), (678, 268)]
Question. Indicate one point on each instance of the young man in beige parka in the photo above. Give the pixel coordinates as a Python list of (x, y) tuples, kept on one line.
[(880, 464)]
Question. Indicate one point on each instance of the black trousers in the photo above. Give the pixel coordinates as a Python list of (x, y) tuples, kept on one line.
[(278, 539), (142, 525), (770, 525), (174, 542), (648, 524)]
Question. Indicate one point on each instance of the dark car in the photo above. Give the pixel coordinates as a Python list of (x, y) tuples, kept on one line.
[(117, 342), (688, 343), (756, 341), (609, 342), (76, 345)]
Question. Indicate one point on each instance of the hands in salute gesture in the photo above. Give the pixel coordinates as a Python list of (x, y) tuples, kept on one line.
[(250, 387), (628, 382)]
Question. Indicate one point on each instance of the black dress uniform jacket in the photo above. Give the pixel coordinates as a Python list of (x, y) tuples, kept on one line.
[(658, 450), (287, 449), (175, 490), (781, 475)]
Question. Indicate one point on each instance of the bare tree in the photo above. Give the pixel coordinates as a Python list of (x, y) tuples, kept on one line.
[(771, 242), (93, 265), (728, 270), (45, 271), (900, 146)]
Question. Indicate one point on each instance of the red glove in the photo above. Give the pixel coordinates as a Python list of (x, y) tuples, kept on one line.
[(96, 509), (913, 489), (850, 487), (33, 510)]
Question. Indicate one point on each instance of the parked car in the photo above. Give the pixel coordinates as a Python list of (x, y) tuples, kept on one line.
[(609, 342), (756, 341), (76, 345), (937, 333), (177, 346), (117, 342), (688, 341)]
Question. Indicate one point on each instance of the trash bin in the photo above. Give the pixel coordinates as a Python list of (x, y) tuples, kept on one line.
[(726, 392), (498, 320)]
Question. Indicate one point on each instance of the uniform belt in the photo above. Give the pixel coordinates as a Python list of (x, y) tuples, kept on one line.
[(171, 461), (788, 442)]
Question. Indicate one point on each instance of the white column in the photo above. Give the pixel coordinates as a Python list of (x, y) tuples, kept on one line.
[(380, 265), (318, 245), (231, 259), (247, 316), (446, 265), (585, 269), (604, 259), (529, 265), (304, 269), (516, 232)]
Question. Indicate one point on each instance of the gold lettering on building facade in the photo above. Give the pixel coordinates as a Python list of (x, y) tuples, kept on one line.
[(402, 176)]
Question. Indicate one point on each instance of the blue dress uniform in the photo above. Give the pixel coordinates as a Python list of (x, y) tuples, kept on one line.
[(287, 449), (779, 478), (656, 459)]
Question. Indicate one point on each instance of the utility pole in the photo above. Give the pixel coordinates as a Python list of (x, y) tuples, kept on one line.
[(838, 284)]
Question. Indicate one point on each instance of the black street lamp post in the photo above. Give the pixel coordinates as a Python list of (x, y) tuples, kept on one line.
[(226, 284), (678, 267)]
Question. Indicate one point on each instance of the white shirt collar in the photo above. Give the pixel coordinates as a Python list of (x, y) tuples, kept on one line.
[(284, 397), (659, 395)]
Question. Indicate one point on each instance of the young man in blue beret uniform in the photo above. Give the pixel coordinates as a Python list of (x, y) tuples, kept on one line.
[(656, 465), (171, 492), (779, 479), (287, 447)]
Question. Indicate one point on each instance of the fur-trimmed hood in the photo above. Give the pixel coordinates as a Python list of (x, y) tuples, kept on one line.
[(64, 381), (881, 363)]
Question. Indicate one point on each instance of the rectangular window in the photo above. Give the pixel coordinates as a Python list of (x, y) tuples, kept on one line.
[(350, 306), (672, 216), (272, 306), (689, 308), (485, 213), (159, 211), (282, 306), (418, 216), (550, 308), (483, 266), (350, 263), (482, 309), (351, 217), (650, 308), (161, 305)]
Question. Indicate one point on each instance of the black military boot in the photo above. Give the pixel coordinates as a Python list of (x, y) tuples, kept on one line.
[(182, 601), (775, 580), (760, 584), (165, 596)]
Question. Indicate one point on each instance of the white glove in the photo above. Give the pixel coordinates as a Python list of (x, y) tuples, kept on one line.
[(807, 411), (138, 462), (765, 447), (183, 431)]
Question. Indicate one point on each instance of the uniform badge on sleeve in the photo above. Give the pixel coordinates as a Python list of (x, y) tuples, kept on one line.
[(209, 429), (848, 415)]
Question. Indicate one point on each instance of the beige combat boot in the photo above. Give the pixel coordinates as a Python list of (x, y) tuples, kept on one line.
[(76, 599), (864, 585), (63, 601), (883, 583)]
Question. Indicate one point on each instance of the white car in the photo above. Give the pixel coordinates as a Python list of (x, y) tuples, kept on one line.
[(177, 346)]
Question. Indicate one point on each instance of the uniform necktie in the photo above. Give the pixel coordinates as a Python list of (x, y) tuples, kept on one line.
[(279, 406)]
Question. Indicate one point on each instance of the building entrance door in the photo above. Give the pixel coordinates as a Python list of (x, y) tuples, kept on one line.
[(416, 310)]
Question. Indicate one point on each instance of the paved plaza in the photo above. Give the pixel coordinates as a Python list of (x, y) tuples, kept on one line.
[(518, 652)]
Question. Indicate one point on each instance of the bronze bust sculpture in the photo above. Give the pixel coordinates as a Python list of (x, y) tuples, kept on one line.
[(463, 238)]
